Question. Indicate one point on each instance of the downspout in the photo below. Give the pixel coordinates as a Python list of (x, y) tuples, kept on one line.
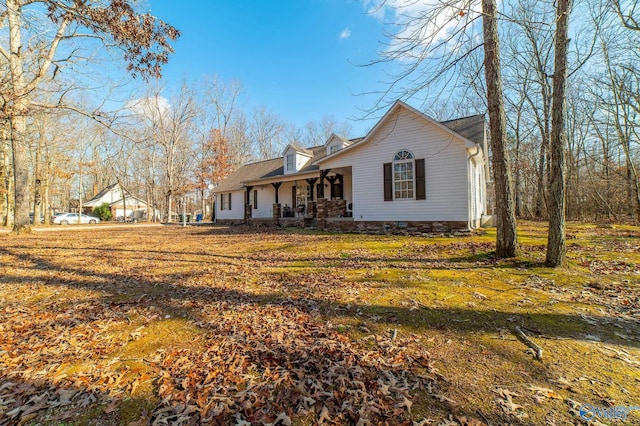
[(469, 171)]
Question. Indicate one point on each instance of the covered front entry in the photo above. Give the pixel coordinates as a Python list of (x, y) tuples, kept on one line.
[(298, 197)]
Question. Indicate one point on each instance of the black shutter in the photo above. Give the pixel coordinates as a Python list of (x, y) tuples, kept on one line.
[(388, 182), (420, 180), (229, 201), (255, 199)]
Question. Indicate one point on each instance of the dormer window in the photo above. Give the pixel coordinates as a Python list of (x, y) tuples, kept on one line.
[(291, 162), (334, 148)]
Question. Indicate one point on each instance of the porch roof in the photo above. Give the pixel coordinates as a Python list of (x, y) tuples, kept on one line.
[(269, 171)]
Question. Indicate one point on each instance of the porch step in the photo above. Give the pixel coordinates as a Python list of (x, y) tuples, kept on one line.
[(310, 222)]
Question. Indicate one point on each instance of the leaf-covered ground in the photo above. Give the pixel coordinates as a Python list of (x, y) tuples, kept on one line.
[(210, 325)]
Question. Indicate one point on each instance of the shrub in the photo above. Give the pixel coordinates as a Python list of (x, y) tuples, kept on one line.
[(103, 212)]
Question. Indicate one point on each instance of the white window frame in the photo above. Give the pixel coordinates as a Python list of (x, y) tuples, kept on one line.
[(291, 162), (403, 170), (224, 202), (334, 148)]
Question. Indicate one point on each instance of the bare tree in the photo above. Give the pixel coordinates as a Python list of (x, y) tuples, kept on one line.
[(318, 132), (556, 243), (430, 43), (266, 132), (170, 123), (507, 239), (143, 39)]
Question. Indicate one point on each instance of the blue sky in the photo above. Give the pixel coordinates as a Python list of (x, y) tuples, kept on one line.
[(299, 58)]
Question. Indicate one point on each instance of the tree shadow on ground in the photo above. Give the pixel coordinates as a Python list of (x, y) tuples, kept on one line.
[(180, 295), (455, 319)]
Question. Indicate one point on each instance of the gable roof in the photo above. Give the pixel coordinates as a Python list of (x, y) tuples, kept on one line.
[(469, 128), (98, 198), (453, 127), (267, 169), (101, 194), (296, 148), (345, 141)]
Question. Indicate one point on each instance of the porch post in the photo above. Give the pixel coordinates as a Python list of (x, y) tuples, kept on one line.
[(323, 175), (311, 182), (276, 185), (311, 207), (277, 210), (332, 180), (247, 205)]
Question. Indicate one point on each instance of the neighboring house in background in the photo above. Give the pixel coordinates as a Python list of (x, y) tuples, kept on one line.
[(409, 172), (121, 202)]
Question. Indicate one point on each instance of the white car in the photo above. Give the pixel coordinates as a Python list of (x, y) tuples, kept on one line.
[(72, 218)]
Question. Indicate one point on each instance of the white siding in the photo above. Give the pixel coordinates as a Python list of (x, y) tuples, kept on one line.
[(299, 159), (237, 206), (114, 194), (445, 169), (266, 197), (334, 141)]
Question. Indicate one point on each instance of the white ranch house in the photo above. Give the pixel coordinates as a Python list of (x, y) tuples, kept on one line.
[(121, 203), (409, 171)]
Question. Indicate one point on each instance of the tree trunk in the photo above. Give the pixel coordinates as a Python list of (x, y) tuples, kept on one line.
[(148, 198), (506, 239), (46, 185), (5, 175), (556, 244), (540, 198), (22, 196), (17, 113), (37, 180)]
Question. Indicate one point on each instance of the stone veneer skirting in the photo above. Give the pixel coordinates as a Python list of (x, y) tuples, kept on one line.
[(363, 227), (331, 217), (395, 227)]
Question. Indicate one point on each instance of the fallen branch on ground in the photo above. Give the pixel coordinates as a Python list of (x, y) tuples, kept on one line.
[(524, 339)]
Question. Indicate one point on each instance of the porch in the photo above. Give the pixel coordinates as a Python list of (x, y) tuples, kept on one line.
[(322, 194)]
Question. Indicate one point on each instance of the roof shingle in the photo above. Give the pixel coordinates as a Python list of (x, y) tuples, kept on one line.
[(471, 127)]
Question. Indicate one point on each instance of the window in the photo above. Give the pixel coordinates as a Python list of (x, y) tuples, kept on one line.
[(291, 162), (334, 148), (403, 176), (255, 199), (225, 201)]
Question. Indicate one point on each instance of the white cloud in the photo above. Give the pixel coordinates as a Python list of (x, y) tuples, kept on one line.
[(419, 26), (346, 33), (151, 107)]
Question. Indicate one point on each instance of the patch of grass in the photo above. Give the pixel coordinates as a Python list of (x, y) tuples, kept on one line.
[(168, 334)]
